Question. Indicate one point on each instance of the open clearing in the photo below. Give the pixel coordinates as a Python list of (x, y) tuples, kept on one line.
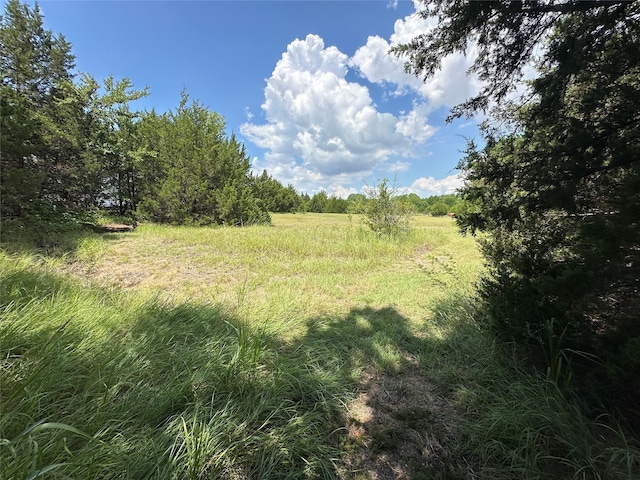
[(309, 264), (322, 267), (307, 349)]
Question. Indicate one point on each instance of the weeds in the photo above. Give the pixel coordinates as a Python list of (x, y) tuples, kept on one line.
[(268, 340), (146, 379), (25, 451)]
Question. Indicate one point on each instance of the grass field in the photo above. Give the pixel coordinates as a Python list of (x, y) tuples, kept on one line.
[(306, 349)]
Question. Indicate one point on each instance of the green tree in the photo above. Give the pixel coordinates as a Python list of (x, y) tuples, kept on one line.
[(274, 196), (113, 135), (318, 202), (415, 201), (505, 35), (385, 213), (439, 209), (65, 145), (36, 95), (557, 186), (356, 202), (197, 175), (336, 205)]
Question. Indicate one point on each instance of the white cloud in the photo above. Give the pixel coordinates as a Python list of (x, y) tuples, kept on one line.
[(340, 191), (407, 28), (426, 187), (413, 125), (323, 131), (399, 166), (321, 126), (377, 65), (451, 85), (448, 87)]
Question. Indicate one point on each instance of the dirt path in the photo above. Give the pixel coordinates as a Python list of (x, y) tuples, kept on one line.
[(400, 428)]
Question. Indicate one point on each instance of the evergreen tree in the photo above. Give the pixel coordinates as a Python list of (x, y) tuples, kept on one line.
[(336, 205), (557, 187), (37, 110), (318, 202), (385, 212), (64, 145), (115, 144), (274, 196), (199, 175)]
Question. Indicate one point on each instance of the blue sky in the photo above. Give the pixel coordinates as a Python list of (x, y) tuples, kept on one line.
[(307, 86)]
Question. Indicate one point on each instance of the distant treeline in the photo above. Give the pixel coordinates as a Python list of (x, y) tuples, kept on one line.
[(437, 205)]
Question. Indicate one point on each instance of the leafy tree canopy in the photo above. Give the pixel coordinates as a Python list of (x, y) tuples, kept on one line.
[(274, 196), (199, 175), (35, 76), (71, 146)]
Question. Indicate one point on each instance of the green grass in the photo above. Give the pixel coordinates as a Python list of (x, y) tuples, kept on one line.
[(307, 349)]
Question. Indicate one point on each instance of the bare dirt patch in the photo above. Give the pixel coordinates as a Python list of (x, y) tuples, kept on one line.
[(400, 427)]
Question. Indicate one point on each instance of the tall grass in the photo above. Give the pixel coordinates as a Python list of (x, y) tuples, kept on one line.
[(98, 384), (236, 353), (520, 423)]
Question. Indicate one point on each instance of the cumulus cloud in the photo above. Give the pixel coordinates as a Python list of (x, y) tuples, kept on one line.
[(376, 64), (448, 87), (321, 130), (426, 187), (340, 191), (320, 124), (413, 125)]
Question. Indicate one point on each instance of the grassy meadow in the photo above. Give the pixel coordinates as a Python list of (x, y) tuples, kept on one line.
[(310, 348)]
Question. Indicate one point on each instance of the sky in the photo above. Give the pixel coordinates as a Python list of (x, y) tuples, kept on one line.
[(309, 87)]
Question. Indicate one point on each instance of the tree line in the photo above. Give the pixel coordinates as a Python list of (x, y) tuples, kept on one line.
[(435, 205), (71, 144)]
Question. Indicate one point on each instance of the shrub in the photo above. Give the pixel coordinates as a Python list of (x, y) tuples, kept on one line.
[(385, 214)]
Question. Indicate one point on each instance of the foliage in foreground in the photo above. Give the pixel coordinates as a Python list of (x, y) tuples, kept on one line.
[(519, 423), (556, 186), (96, 385)]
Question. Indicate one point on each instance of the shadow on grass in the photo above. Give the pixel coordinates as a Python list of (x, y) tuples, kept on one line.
[(191, 391), (55, 240), (443, 400), (401, 422), (164, 391)]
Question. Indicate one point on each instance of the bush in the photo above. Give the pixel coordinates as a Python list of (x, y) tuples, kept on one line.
[(385, 214)]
